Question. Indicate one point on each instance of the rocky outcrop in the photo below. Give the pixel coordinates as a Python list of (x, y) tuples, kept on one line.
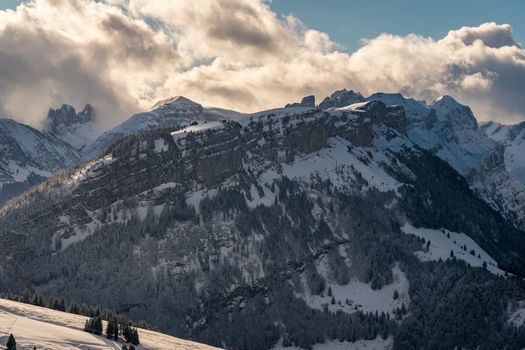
[(341, 98), (59, 120), (307, 101)]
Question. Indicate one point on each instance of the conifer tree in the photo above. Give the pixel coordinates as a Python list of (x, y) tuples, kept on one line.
[(11, 343), (62, 305), (135, 336), (97, 325), (116, 331), (88, 326), (396, 294), (126, 332), (110, 329)]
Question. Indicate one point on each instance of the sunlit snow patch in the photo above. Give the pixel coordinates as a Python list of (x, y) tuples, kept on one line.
[(196, 128)]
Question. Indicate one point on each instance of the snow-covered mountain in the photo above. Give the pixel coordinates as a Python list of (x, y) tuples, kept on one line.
[(174, 112), (77, 129), (294, 226), (450, 130), (27, 156), (70, 137), (34, 326), (512, 137)]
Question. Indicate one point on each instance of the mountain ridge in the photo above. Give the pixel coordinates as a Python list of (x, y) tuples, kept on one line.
[(224, 229)]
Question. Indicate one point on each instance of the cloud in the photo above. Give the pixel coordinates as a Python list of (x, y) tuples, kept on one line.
[(124, 55), (72, 51), (482, 66)]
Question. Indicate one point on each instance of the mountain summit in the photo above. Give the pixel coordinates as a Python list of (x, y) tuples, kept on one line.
[(178, 102), (173, 112), (341, 98)]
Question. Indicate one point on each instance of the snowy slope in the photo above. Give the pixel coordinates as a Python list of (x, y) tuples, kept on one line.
[(357, 295), (374, 344), (449, 129), (51, 329), (442, 242), (512, 137), (27, 154), (174, 112), (415, 110)]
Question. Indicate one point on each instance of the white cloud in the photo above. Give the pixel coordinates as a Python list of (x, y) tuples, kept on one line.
[(123, 55), (482, 66)]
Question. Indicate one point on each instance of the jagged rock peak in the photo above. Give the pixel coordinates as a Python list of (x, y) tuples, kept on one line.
[(307, 101), (66, 116), (341, 98)]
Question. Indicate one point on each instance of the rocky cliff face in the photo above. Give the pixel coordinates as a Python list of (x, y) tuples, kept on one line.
[(307, 101), (210, 158), (76, 129), (58, 120), (223, 229), (499, 187), (512, 137)]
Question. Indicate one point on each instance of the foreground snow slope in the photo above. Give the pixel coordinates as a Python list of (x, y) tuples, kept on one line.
[(51, 329)]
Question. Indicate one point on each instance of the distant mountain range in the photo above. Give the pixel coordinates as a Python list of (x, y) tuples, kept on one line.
[(490, 156), (380, 221)]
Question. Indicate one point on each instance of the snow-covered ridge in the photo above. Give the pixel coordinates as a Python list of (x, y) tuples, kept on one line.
[(24, 150), (50, 329), (170, 113), (446, 127), (449, 130)]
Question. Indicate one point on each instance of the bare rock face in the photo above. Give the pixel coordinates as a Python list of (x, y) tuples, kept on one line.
[(64, 117), (307, 101), (499, 188)]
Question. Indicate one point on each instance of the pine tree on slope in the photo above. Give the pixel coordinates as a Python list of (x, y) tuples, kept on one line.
[(11, 343)]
